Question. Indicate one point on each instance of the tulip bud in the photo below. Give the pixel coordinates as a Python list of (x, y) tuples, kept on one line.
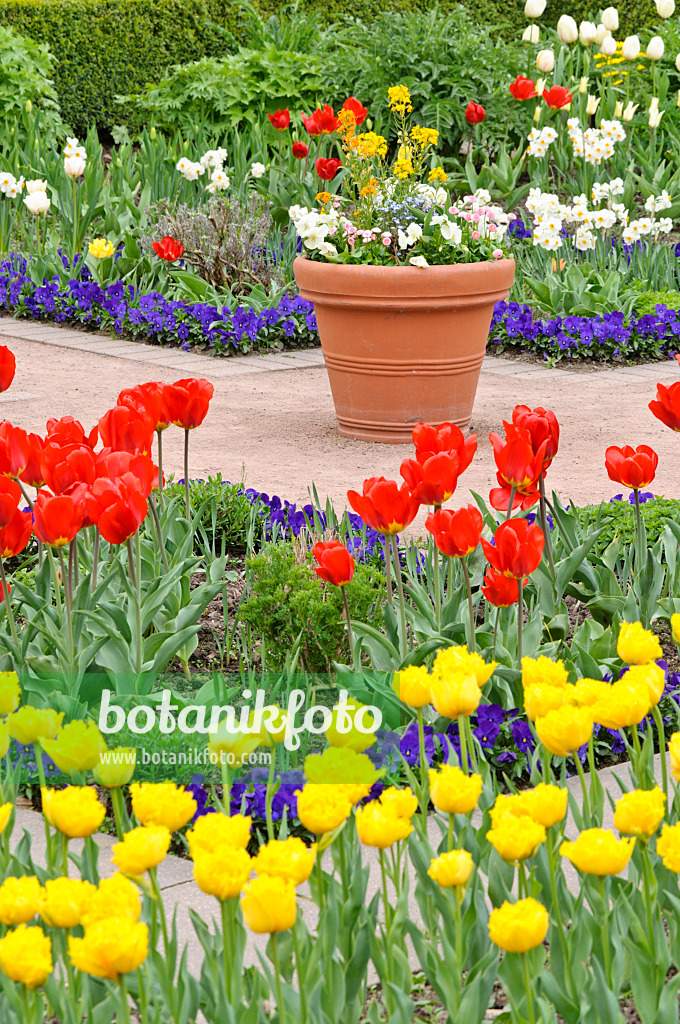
[(678, 97), (608, 47), (537, 115), (655, 48), (655, 118), (545, 61), (618, 110), (567, 29), (631, 48), (534, 8), (540, 86), (665, 8), (152, 134), (629, 112), (654, 103), (677, 62), (531, 34), (601, 34), (610, 19), (592, 105), (583, 86), (29, 106), (587, 32)]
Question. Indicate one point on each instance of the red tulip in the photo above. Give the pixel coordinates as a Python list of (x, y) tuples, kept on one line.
[(474, 113), (522, 89), (500, 591), (68, 430), (280, 119), (517, 548), (10, 496), (336, 564), (359, 111), (3, 595), (187, 401), (328, 168), (321, 122), (15, 536), (127, 430), (56, 520), (168, 249), (456, 534), (117, 507), (517, 463), (446, 437), (300, 151), (8, 366), (557, 97), (499, 497), (383, 505), (114, 465), (147, 399), (15, 449), (63, 467), (666, 406), (632, 467), (433, 480), (32, 474), (541, 425)]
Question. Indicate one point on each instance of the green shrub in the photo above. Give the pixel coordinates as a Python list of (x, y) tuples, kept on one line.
[(648, 301), (26, 69), (618, 518), (286, 600)]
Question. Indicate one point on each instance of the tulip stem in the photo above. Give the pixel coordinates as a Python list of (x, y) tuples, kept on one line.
[(544, 524), (226, 783), (424, 795), (95, 559), (124, 1005), (159, 436), (388, 571), (67, 600), (513, 491), (471, 613), (270, 793), (520, 621), (298, 967), (186, 476), (8, 606), (142, 996), (37, 752), (495, 633), (605, 932), (118, 811), (463, 745), (227, 954), (154, 513), (387, 909), (586, 801), (527, 988), (64, 853), (658, 721), (400, 591), (350, 641), (638, 523), (277, 971)]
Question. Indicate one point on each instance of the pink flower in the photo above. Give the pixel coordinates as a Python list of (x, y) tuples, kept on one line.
[(475, 234), (497, 254), (454, 210)]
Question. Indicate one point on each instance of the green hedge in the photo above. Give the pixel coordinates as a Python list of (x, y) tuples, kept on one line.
[(106, 48)]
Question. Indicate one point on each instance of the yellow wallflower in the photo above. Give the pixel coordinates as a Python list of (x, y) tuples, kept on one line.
[(63, 901), (288, 858), (19, 899), (626, 704), (100, 248), (162, 803), (516, 839), (637, 645), (369, 144), (221, 872), (403, 169), (323, 197), (26, 956), (437, 174), (668, 847), (322, 808), (399, 99), (674, 751), (30, 725), (212, 830), (457, 659), (10, 692), (116, 897), (519, 927), (545, 671), (651, 676), (454, 694), (347, 122), (565, 730), (111, 947), (76, 748), (640, 812), (268, 904), (424, 136), (545, 804), (675, 627), (412, 686), (452, 791), (541, 698), (118, 769), (451, 869), (141, 849), (598, 852), (75, 811)]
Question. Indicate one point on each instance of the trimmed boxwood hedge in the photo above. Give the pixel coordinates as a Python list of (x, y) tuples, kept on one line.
[(106, 48)]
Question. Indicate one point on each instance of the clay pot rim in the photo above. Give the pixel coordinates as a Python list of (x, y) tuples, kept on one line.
[(432, 268)]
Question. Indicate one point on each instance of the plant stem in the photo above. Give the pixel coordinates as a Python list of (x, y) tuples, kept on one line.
[(138, 600), (124, 1005), (186, 476), (527, 988), (388, 571), (226, 783), (544, 524), (471, 631), (67, 599), (605, 932), (388, 913), (8, 604), (270, 794), (581, 775), (647, 895), (277, 972), (463, 746), (345, 605), (437, 594), (154, 514), (301, 987), (159, 437), (118, 811), (424, 779), (37, 752), (95, 559), (513, 492), (520, 621), (64, 854), (400, 591), (226, 946), (638, 524), (658, 721)]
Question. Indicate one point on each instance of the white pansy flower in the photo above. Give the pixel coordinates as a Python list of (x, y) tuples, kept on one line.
[(257, 169), (418, 261)]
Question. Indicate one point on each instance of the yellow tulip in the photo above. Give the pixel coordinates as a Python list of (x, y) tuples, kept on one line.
[(117, 768), (354, 739), (519, 927), (268, 904), (221, 872), (626, 704), (162, 803), (675, 619), (26, 956), (322, 808), (63, 901), (674, 751), (452, 791), (10, 692), (651, 676), (4, 739), (213, 830), (141, 849), (451, 869), (458, 659), (668, 847), (19, 899), (637, 645), (541, 698), (341, 766), (516, 839), (76, 748), (545, 804), (74, 811), (31, 725), (412, 686), (598, 852), (379, 827), (543, 671), (640, 812), (5, 815), (231, 745), (100, 248), (508, 803), (116, 897), (454, 694), (565, 730), (289, 858), (402, 802), (589, 691), (111, 947)]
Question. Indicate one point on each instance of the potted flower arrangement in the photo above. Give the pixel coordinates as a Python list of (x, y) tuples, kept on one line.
[(403, 281)]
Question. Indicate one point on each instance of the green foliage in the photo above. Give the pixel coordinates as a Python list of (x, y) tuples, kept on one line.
[(26, 70), (109, 47), (618, 519), (226, 512), (287, 605), (648, 301), (581, 291)]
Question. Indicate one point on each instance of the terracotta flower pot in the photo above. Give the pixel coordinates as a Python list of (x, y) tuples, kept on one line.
[(402, 344)]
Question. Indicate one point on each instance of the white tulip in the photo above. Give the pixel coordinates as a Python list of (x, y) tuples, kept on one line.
[(567, 30), (610, 19), (665, 8), (37, 202), (618, 110), (583, 86), (36, 186), (654, 103), (601, 33), (74, 166), (629, 112), (534, 8), (654, 120), (531, 34), (587, 31), (608, 47), (677, 62), (655, 48), (631, 48), (540, 86), (545, 61), (679, 98), (592, 105)]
